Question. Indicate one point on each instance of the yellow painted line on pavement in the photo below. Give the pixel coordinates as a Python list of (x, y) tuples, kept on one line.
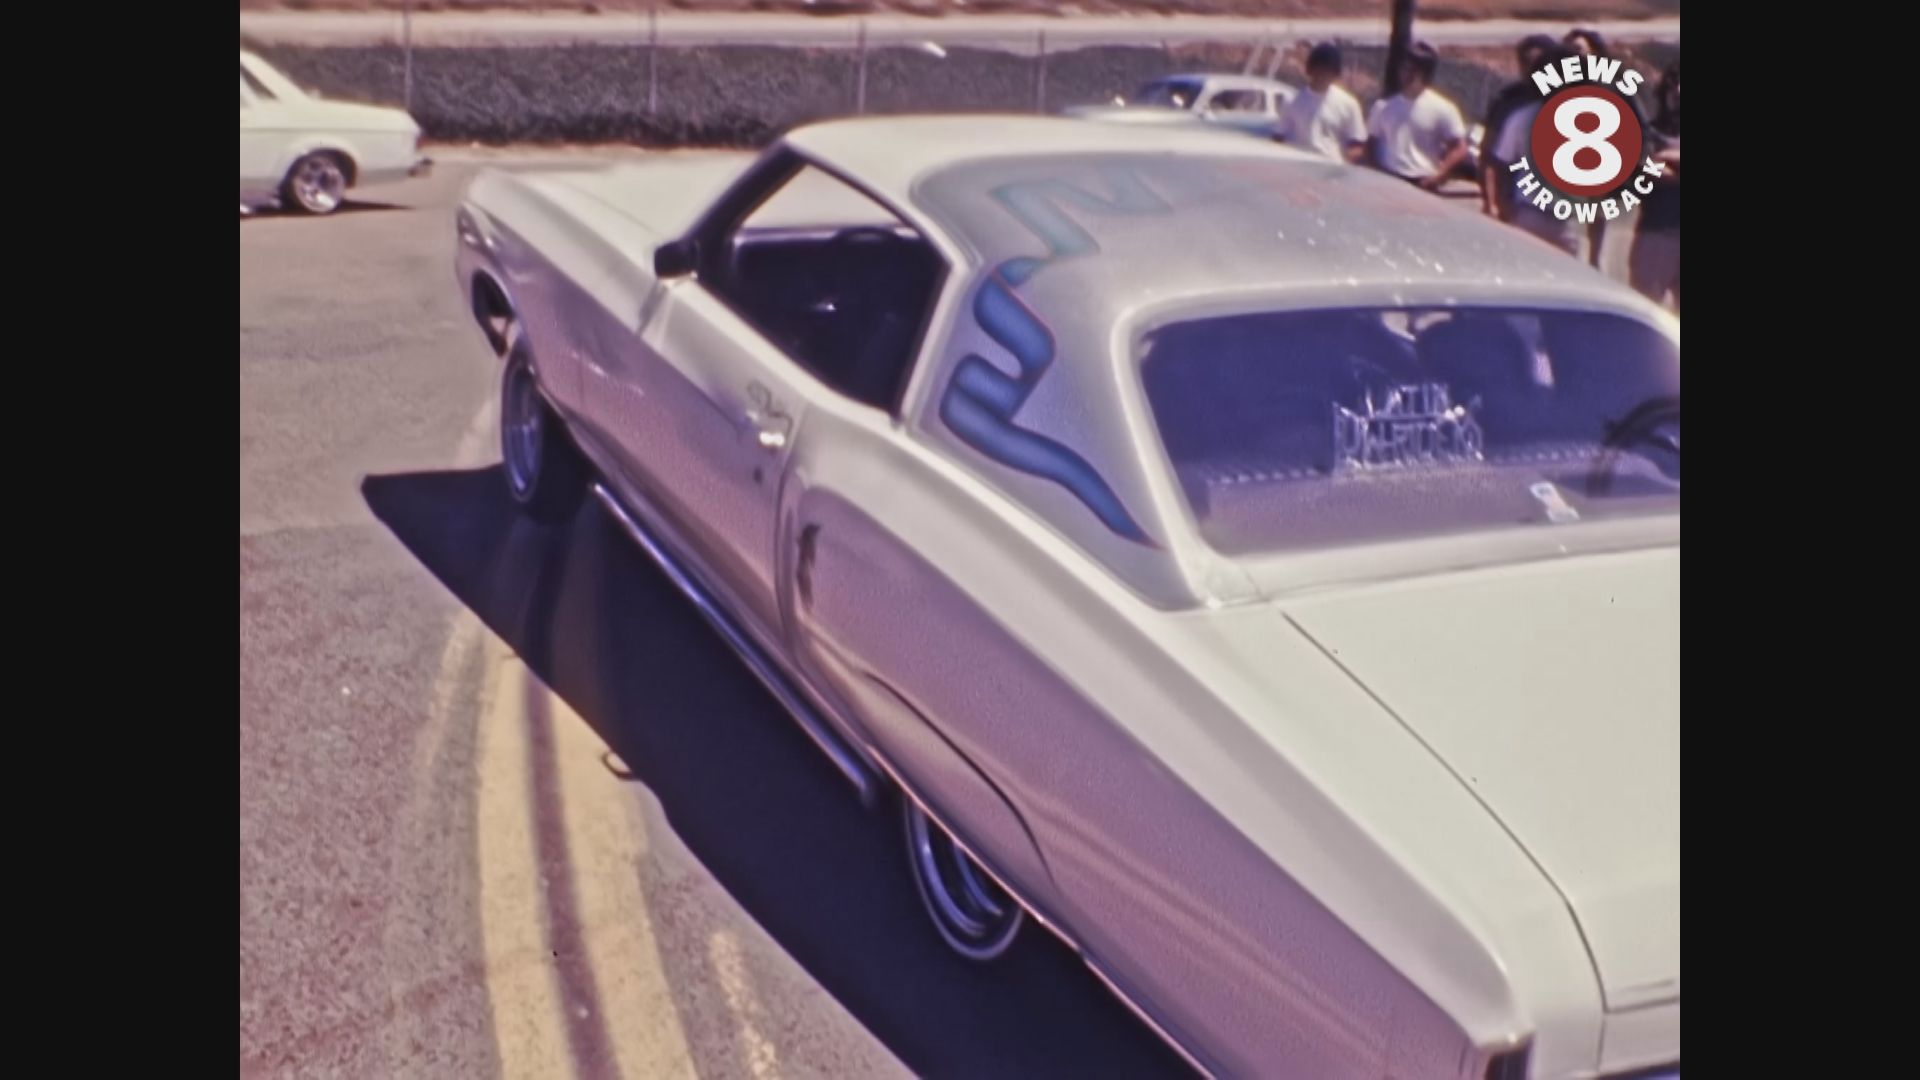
[(417, 874), (574, 979), (528, 1024), (476, 447), (730, 967), (574, 948), (606, 841)]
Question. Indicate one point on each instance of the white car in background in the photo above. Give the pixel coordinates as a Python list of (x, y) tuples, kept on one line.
[(1243, 103), (305, 152)]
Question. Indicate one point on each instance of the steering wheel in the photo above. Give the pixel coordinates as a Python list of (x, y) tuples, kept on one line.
[(837, 309), (844, 253), (1653, 423)]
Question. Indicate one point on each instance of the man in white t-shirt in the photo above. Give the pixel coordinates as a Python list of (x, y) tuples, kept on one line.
[(1325, 118), (1512, 143), (1418, 135)]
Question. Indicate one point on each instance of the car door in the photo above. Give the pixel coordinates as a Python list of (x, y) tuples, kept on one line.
[(703, 403), (724, 413), (260, 140)]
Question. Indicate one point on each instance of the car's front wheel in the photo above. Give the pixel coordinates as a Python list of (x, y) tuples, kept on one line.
[(317, 183), (974, 915), (545, 473)]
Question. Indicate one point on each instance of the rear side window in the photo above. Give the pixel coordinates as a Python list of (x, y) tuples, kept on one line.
[(1168, 93), (1238, 101)]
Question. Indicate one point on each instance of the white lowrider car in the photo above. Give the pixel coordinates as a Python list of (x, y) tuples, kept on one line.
[(1264, 575), (305, 152), (1243, 103)]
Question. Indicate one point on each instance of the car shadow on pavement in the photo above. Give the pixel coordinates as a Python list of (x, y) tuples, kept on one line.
[(750, 796)]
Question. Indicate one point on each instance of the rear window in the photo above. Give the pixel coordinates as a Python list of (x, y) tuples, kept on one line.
[(1238, 101), (1291, 430), (1169, 93)]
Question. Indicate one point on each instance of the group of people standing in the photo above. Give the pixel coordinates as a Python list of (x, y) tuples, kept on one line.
[(1420, 136)]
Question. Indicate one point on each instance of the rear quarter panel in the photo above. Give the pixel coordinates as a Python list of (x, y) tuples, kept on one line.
[(1019, 690)]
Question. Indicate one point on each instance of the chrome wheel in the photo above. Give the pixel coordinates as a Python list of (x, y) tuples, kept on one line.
[(522, 434), (546, 476), (974, 914), (318, 184)]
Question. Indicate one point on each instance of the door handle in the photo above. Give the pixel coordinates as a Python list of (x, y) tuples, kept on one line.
[(771, 436), (803, 565), (771, 426)]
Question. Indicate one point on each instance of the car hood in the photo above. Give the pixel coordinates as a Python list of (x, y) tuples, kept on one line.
[(1553, 692)]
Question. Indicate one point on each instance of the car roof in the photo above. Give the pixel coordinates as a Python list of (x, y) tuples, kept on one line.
[(1305, 223), (1148, 227), (888, 153)]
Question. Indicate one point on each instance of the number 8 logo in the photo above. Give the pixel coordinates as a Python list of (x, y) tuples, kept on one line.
[(1586, 141), (1566, 159)]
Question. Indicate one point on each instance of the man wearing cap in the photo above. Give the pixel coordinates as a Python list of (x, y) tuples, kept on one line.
[(1325, 117), (1496, 187), (1417, 134)]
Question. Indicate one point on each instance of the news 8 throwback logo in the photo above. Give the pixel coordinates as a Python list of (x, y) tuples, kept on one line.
[(1587, 153)]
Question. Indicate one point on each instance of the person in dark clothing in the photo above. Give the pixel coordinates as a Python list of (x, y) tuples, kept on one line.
[(1496, 193), (1586, 42), (1654, 262)]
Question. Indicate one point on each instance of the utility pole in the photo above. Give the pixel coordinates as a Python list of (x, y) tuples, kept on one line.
[(406, 46), (1397, 46), (1040, 75), (653, 59), (860, 77)]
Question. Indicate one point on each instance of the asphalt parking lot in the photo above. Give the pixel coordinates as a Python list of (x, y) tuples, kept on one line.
[(508, 808)]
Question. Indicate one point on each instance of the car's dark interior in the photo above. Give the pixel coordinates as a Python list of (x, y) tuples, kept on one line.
[(1259, 412), (848, 303), (1487, 367), (1252, 400), (1271, 384)]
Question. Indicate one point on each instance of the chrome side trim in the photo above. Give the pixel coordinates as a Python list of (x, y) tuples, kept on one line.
[(844, 758)]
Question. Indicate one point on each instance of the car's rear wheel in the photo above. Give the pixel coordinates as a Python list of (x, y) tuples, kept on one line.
[(545, 473), (317, 183), (973, 914)]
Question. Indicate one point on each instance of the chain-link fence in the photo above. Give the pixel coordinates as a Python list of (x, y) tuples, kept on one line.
[(657, 94)]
